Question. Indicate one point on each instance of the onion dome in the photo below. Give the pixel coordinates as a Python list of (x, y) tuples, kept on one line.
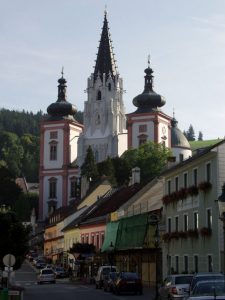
[(105, 62), (61, 108), (149, 100), (178, 139)]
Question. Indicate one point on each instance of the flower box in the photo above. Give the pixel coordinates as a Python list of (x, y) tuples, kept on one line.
[(193, 233), (193, 190), (205, 231), (205, 186)]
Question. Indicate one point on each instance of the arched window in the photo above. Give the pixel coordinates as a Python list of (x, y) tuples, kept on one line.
[(52, 187), (99, 95), (109, 86)]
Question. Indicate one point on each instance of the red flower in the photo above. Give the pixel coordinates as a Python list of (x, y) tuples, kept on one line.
[(193, 190), (205, 186), (205, 231)]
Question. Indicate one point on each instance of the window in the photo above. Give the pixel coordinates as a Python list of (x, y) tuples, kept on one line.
[(196, 263), (53, 151), (195, 177), (82, 239), (109, 86), (185, 180), (87, 239), (99, 95), (177, 264), (169, 187), (209, 218), (186, 264), (93, 239), (103, 237), (181, 157), (142, 139), (169, 225), (176, 184), (53, 135), (97, 241), (52, 188), (208, 172), (210, 263), (176, 223), (142, 128), (195, 220), (73, 187), (185, 222)]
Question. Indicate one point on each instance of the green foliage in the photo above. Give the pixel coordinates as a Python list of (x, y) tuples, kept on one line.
[(10, 191), (24, 204), (149, 157), (200, 136), (89, 167), (15, 239), (107, 168), (190, 133)]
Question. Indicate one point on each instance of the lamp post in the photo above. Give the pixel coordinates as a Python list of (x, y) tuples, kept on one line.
[(154, 220), (221, 204), (110, 254)]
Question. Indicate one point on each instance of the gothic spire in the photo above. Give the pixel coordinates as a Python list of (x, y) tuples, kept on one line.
[(105, 62)]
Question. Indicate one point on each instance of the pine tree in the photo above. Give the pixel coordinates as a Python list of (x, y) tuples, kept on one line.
[(191, 133), (200, 136), (89, 167)]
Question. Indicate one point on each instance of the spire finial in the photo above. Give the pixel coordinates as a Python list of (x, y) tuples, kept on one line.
[(149, 60), (62, 72), (105, 11), (173, 113)]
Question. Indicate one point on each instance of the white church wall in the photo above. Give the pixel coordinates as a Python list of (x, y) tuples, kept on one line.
[(181, 151), (74, 135), (122, 143)]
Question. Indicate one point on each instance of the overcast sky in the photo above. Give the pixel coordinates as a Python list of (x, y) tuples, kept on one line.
[(185, 38)]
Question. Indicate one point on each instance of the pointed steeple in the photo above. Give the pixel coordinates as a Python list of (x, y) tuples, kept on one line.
[(105, 62)]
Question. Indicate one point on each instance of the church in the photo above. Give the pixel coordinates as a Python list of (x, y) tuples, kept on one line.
[(106, 128)]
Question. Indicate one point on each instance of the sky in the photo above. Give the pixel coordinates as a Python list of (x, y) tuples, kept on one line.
[(185, 40)]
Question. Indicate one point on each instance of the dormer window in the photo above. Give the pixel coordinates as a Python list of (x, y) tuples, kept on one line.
[(99, 95)]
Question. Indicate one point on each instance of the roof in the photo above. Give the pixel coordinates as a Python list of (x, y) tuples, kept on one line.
[(107, 205), (178, 139), (105, 62), (199, 153)]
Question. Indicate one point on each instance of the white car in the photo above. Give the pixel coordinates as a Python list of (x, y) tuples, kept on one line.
[(208, 289), (102, 272), (46, 275)]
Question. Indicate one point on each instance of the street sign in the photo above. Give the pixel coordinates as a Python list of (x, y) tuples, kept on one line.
[(9, 260)]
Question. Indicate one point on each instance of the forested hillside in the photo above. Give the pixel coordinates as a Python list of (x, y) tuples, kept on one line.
[(19, 142)]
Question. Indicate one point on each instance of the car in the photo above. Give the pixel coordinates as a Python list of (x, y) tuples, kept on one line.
[(40, 264), (46, 275), (128, 282), (102, 272), (208, 288), (60, 272), (202, 276), (175, 286), (109, 281)]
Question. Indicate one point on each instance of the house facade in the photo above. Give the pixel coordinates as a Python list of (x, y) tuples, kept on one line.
[(193, 240)]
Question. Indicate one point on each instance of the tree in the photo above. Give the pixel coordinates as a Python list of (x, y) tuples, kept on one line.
[(89, 167), (200, 136), (15, 239), (10, 191), (107, 168), (149, 157), (190, 134)]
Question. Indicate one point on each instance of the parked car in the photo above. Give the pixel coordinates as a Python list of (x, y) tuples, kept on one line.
[(46, 275), (40, 264), (204, 276), (102, 272), (60, 272), (209, 289), (109, 281), (128, 282), (176, 286)]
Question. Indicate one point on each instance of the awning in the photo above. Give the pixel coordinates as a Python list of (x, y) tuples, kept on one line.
[(110, 236), (131, 232)]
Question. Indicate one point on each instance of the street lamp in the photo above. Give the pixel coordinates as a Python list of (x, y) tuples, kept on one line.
[(110, 255), (221, 204), (154, 220)]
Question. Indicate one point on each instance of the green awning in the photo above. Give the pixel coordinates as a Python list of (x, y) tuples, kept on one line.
[(131, 232), (110, 235)]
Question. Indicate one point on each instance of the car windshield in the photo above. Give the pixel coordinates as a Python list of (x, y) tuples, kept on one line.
[(48, 271), (129, 276), (183, 279), (113, 275), (209, 288), (107, 270)]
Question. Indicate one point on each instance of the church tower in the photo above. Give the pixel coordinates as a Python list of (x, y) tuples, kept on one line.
[(104, 113), (58, 174), (148, 122)]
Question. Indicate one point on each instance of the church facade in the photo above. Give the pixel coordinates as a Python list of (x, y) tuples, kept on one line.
[(106, 128)]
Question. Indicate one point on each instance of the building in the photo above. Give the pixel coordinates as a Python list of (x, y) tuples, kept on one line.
[(193, 239)]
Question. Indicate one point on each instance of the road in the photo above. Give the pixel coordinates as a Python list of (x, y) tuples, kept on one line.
[(65, 289)]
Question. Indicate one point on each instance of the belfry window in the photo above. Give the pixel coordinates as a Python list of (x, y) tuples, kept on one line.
[(53, 150), (52, 188), (99, 95)]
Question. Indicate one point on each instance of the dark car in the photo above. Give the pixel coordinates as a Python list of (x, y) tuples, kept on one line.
[(109, 281), (60, 272), (204, 276), (128, 282)]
